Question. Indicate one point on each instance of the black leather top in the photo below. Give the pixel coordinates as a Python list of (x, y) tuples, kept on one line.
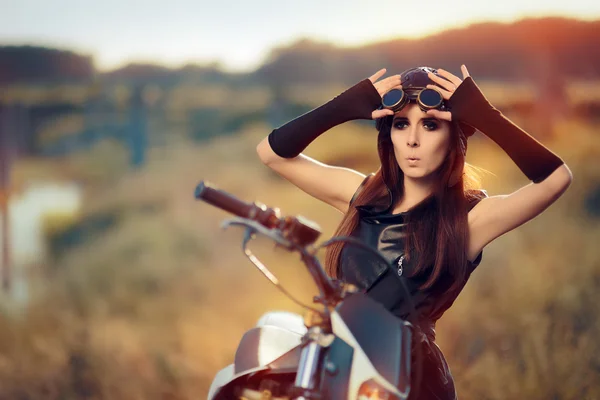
[(386, 232)]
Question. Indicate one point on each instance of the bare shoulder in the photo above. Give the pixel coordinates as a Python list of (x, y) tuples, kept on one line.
[(357, 186), (493, 216)]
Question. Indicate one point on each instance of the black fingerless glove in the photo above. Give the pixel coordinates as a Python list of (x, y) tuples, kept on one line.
[(358, 102), (469, 105)]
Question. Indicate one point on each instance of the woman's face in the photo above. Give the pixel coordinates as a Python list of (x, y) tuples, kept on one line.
[(416, 134)]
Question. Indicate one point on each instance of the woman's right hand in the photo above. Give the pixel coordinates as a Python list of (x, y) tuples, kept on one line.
[(383, 86)]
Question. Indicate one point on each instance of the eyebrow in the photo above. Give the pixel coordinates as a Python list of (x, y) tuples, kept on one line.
[(426, 119)]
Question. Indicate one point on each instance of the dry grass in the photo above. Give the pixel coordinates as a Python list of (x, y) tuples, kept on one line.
[(152, 308)]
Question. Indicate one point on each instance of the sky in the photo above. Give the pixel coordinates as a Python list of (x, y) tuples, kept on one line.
[(239, 34)]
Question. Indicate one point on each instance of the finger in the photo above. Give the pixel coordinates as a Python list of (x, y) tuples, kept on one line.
[(451, 77), (465, 72), (443, 115), (445, 84), (381, 113), (445, 93), (393, 80), (377, 75), (387, 84)]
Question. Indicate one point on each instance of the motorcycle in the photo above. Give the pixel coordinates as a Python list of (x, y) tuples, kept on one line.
[(347, 347)]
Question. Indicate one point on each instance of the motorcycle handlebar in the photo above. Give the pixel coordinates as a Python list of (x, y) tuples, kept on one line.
[(297, 229), (207, 192)]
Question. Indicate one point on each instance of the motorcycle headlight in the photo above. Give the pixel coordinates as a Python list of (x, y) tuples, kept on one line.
[(371, 390)]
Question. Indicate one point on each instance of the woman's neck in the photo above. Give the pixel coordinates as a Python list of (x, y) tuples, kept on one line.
[(415, 191)]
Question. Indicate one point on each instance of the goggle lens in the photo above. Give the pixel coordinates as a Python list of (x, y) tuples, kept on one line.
[(430, 98), (392, 98)]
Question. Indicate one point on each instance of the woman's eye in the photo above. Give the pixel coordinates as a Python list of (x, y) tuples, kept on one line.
[(400, 124), (430, 125)]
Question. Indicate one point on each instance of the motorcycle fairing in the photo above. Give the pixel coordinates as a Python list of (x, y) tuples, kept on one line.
[(262, 345), (336, 374), (274, 345), (381, 344)]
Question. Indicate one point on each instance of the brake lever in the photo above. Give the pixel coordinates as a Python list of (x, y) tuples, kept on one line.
[(273, 234), (248, 235)]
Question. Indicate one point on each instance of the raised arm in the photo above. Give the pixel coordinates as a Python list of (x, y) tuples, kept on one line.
[(330, 184), (281, 149), (550, 176)]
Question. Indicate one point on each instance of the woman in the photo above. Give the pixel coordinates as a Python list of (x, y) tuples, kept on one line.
[(420, 208)]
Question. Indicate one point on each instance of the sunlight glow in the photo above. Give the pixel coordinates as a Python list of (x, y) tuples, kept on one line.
[(240, 37)]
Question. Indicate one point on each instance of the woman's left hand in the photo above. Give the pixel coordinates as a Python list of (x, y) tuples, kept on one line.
[(446, 87)]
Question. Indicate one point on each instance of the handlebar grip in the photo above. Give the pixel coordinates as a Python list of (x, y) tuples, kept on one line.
[(223, 200)]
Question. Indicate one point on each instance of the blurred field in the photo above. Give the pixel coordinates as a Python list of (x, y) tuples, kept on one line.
[(501, 93), (154, 303)]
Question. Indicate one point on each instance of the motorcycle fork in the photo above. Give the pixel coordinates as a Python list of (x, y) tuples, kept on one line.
[(308, 368)]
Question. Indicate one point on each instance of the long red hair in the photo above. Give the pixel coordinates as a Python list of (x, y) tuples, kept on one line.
[(437, 229)]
